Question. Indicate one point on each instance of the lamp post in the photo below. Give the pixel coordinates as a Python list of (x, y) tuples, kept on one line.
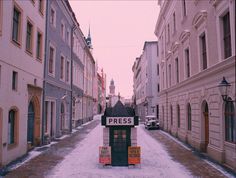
[(224, 87)]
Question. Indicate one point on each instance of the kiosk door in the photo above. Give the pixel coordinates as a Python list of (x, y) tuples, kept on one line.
[(119, 141)]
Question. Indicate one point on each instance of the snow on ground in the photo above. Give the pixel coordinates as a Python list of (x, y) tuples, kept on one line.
[(82, 162)]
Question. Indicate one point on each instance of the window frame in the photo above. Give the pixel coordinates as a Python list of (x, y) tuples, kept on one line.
[(15, 129), (178, 116), (14, 85), (67, 73), (229, 116), (187, 63), (63, 72), (189, 117), (54, 17), (41, 4), (40, 57), (177, 70), (31, 45), (54, 60), (17, 42), (1, 16)]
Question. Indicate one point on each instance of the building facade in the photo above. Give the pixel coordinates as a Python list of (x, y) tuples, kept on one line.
[(78, 73), (58, 83), (146, 80), (197, 49), (22, 33), (101, 76)]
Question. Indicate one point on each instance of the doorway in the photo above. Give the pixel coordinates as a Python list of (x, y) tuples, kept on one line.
[(30, 128), (119, 142)]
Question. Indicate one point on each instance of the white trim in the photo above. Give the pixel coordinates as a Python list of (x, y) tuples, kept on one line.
[(54, 60), (55, 16)]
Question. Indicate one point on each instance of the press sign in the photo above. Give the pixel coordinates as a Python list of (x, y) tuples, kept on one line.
[(116, 121)]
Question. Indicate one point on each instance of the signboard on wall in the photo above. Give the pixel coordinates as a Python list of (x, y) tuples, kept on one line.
[(105, 154), (117, 121), (134, 155)]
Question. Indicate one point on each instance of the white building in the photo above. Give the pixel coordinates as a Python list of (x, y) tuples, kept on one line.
[(22, 26), (197, 49), (146, 80)]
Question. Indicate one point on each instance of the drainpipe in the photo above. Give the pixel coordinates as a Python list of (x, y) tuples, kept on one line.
[(44, 73)]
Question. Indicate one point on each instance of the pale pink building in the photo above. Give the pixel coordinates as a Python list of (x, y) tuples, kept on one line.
[(197, 49)]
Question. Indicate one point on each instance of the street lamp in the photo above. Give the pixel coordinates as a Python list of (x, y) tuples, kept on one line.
[(224, 87)]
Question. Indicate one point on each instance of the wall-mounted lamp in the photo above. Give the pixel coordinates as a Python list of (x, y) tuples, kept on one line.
[(224, 88)]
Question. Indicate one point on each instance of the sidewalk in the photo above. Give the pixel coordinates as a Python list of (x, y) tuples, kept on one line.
[(198, 163), (36, 162)]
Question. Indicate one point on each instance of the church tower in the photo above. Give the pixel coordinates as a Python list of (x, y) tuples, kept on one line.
[(112, 87), (89, 40)]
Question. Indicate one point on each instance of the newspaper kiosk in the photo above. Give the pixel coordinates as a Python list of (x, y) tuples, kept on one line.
[(120, 136)]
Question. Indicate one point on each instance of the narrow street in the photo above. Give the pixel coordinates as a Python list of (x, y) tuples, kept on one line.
[(77, 156)]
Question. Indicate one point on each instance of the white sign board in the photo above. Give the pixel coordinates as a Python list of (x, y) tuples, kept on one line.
[(116, 121)]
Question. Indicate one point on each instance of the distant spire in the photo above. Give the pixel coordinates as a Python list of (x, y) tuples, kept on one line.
[(89, 39)]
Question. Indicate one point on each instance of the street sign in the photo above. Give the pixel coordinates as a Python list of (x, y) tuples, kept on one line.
[(105, 154), (134, 154), (117, 121)]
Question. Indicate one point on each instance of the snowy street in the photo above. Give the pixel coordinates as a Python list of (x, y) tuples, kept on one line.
[(80, 159)]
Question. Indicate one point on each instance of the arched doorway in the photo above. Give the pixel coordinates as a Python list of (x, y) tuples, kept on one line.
[(30, 128), (62, 116), (206, 125)]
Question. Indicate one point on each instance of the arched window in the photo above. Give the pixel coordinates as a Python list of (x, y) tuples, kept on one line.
[(12, 127), (230, 130), (178, 116), (189, 117), (171, 115)]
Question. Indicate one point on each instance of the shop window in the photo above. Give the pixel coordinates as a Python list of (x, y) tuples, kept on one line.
[(230, 122)]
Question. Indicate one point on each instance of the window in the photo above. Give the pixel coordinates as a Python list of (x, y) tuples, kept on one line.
[(168, 33), (46, 117), (53, 17), (14, 80), (203, 51), (186, 51), (158, 69), (230, 122), (158, 87), (178, 116), (16, 26), (174, 23), (51, 60), (171, 115), (1, 17), (177, 69), (68, 36), (29, 37), (39, 46), (184, 8), (67, 71), (226, 35), (189, 117), (62, 67), (63, 31), (12, 127), (73, 107), (169, 75), (0, 74), (41, 6)]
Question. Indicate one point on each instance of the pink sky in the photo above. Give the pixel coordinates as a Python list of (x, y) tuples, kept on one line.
[(118, 30)]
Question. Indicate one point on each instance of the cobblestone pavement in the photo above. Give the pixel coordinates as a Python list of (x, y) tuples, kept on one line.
[(39, 166), (192, 160)]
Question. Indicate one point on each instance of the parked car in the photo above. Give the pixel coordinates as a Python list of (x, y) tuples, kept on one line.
[(151, 122)]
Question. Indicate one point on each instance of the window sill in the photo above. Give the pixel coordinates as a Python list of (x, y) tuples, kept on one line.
[(39, 59), (30, 53), (11, 146), (16, 43)]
